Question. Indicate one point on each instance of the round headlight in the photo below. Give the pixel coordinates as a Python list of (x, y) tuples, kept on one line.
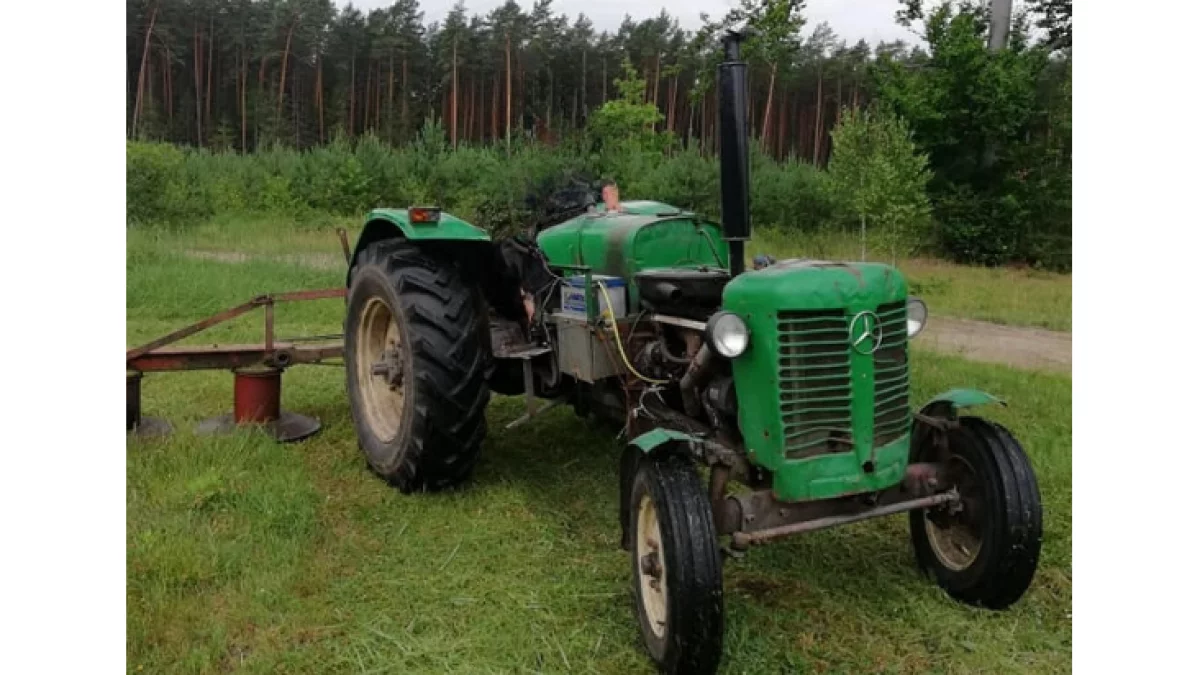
[(917, 315), (727, 334)]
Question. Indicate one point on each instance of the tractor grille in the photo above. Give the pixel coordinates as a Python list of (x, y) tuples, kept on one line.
[(814, 382), (891, 374)]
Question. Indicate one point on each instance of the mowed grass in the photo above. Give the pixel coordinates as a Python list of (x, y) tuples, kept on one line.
[(248, 555)]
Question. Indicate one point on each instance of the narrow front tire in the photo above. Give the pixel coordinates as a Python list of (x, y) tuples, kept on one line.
[(983, 551), (676, 566)]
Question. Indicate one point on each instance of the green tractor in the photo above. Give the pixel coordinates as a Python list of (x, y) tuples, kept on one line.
[(786, 386)]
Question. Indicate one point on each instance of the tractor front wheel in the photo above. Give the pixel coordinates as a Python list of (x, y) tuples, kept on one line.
[(415, 366), (676, 566), (984, 549)]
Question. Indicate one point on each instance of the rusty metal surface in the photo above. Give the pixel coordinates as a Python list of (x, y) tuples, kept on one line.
[(760, 510), (743, 540), (133, 400), (227, 357), (135, 423), (263, 300), (256, 395), (345, 239), (289, 428)]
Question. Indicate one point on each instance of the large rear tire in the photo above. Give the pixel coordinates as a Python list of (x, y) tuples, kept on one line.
[(415, 366), (676, 566), (985, 551)]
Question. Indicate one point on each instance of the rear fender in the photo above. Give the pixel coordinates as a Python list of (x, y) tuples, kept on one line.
[(446, 234)]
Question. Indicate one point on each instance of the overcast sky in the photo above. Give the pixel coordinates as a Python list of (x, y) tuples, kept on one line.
[(873, 20)]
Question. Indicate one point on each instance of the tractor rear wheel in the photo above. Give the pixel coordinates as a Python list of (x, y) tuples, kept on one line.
[(415, 366), (984, 550), (676, 566)]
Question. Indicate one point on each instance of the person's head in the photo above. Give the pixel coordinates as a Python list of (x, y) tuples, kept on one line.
[(611, 196)]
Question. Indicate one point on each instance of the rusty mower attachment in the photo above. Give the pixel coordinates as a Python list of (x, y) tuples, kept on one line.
[(257, 369)]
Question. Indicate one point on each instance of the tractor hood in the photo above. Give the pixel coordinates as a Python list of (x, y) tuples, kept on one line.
[(642, 235), (815, 284)]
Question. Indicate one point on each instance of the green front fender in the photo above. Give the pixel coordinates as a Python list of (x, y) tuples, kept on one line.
[(656, 438), (957, 399), (391, 223), (645, 444)]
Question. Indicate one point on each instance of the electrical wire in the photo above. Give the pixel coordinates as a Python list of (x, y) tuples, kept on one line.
[(617, 334)]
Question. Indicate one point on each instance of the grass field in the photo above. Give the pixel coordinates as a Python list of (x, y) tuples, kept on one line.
[(1020, 297), (247, 555)]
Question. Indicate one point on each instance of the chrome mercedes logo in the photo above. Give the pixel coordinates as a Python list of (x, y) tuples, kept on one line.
[(866, 333)]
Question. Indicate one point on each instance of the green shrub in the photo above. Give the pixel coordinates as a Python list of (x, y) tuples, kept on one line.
[(154, 183)]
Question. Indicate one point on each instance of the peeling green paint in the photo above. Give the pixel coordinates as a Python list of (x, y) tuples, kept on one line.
[(759, 297), (447, 227), (643, 235), (964, 398), (655, 438)]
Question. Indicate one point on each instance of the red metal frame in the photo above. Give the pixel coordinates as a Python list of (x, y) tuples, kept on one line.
[(155, 356)]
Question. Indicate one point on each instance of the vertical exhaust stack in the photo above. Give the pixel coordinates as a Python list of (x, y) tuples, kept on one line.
[(735, 152)]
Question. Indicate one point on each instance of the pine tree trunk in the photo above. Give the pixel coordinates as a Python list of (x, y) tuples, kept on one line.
[(350, 117), (366, 122), (550, 101), (582, 89), (320, 103), (454, 94), (468, 109), (781, 125), (817, 122), (479, 114), (378, 94), (197, 72), (296, 106), (137, 102), (209, 92), (604, 81), (496, 108), (245, 74), (766, 129), (148, 102), (837, 114), (657, 67), (691, 121), (404, 92), (671, 103), (287, 47), (508, 90), (168, 96), (391, 97)]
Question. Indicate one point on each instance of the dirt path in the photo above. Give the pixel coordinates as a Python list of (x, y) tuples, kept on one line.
[(1018, 347), (1014, 346)]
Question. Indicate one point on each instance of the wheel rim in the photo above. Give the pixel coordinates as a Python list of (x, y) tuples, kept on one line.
[(652, 573), (955, 533), (380, 368)]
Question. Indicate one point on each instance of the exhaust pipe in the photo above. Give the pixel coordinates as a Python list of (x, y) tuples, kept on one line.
[(735, 152)]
